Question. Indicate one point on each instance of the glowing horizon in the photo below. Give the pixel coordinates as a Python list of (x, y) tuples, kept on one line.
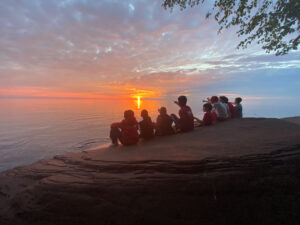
[(132, 94), (108, 49)]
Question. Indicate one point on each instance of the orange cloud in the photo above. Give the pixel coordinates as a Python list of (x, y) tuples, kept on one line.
[(119, 92)]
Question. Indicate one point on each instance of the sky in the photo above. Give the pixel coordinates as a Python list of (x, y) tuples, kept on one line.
[(125, 48)]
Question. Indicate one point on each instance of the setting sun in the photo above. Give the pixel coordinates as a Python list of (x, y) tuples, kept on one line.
[(138, 102)]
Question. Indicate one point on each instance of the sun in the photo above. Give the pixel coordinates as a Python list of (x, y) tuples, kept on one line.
[(138, 99)]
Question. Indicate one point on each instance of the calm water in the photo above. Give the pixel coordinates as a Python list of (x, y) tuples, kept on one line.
[(32, 129)]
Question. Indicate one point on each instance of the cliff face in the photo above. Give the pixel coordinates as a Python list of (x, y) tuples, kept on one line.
[(237, 172)]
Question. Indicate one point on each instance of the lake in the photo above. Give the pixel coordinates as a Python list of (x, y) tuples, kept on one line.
[(32, 129)]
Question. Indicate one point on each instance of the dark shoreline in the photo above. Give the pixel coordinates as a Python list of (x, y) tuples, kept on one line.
[(253, 188)]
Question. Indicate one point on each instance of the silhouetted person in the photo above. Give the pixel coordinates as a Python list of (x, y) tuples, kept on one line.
[(238, 108), (230, 107), (146, 126), (164, 123), (207, 117), (219, 109), (126, 131), (185, 122)]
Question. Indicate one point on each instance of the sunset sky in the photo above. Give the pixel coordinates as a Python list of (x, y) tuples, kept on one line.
[(109, 48)]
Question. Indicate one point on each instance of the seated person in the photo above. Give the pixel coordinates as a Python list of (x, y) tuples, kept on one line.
[(230, 108), (219, 110), (146, 126), (125, 131), (207, 117), (238, 108), (185, 122), (164, 122)]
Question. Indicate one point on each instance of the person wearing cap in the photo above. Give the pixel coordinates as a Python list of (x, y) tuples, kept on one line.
[(164, 123)]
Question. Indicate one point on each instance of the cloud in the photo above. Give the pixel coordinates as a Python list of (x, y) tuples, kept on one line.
[(89, 47)]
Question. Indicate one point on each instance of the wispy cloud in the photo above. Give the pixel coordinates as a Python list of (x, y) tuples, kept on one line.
[(104, 48)]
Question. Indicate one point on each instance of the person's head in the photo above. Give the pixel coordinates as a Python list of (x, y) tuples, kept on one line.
[(207, 107), (128, 114), (144, 113), (238, 100), (162, 110), (224, 99), (214, 99), (182, 100)]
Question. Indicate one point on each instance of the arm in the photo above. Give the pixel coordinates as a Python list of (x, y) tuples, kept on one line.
[(177, 103), (158, 122), (197, 119), (197, 122), (207, 100), (118, 125)]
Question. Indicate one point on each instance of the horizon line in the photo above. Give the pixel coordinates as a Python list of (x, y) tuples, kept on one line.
[(74, 98)]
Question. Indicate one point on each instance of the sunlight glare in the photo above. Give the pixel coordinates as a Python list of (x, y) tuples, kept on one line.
[(138, 102)]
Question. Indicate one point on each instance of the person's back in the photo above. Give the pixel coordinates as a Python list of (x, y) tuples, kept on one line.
[(219, 109), (164, 123), (238, 108), (208, 116), (186, 117), (207, 119), (146, 126), (129, 130), (231, 110), (224, 101)]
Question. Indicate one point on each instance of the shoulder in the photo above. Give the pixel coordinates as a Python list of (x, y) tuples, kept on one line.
[(188, 108), (207, 114), (217, 105)]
